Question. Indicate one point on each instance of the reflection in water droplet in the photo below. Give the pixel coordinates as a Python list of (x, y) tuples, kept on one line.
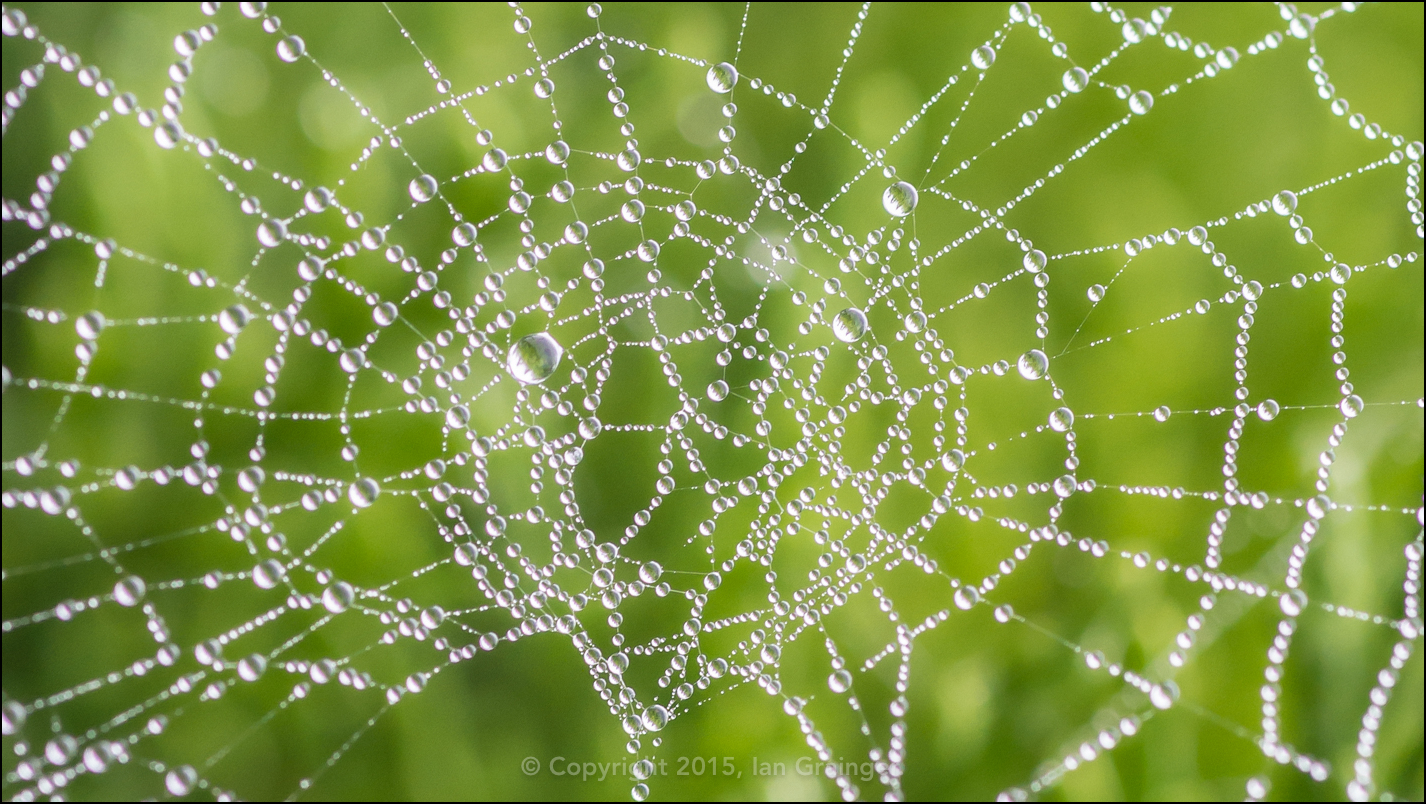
[(1061, 419), (839, 681), (422, 188), (850, 325), (1033, 364), (722, 77), (1285, 203), (1268, 409), (982, 57), (966, 597), (363, 492), (534, 358), (291, 48), (899, 199)]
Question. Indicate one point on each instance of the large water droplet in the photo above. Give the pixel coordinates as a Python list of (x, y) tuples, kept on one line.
[(1035, 261), (850, 325), (268, 574), (271, 233), (129, 591), (1292, 603), (839, 681), (722, 77), (89, 325), (1285, 203), (1318, 506), (1141, 102), (363, 492), (953, 460), (717, 391), (337, 597), (966, 597), (1351, 406), (423, 188), (291, 48), (982, 57), (654, 718), (899, 199), (1162, 696), (534, 358), (168, 134), (1076, 79), (179, 782), (464, 234), (1061, 419), (1268, 409), (1033, 364), (233, 319)]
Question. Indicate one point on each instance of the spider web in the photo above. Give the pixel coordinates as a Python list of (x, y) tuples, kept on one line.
[(738, 407)]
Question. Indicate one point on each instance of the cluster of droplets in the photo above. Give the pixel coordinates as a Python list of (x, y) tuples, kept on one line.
[(562, 369)]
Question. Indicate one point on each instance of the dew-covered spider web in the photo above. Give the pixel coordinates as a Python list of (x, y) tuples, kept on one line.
[(830, 401)]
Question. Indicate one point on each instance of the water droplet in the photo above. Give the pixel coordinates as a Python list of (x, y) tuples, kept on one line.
[(317, 199), (337, 597), (1076, 79), (271, 233), (1293, 602), (1285, 203), (168, 134), (717, 391), (1004, 614), (953, 460), (1162, 696), (1268, 409), (89, 325), (1162, 413), (1095, 293), (966, 597), (654, 718), (722, 77), (1061, 419), (1351, 406), (458, 417), (291, 48), (1064, 485), (384, 314), (464, 234), (494, 160), (1318, 506), (534, 358), (1252, 290), (899, 199), (648, 251), (233, 319), (268, 574), (251, 668), (915, 321), (1033, 364), (1035, 261), (363, 493), (557, 152), (850, 325), (129, 591), (1340, 273), (352, 360), (982, 57), (839, 682), (632, 211), (544, 88), (180, 781), (1141, 102), (423, 188)]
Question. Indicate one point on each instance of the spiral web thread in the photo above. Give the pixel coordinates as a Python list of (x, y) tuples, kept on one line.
[(526, 589)]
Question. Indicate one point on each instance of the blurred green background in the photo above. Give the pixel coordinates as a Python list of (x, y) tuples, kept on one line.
[(990, 704)]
